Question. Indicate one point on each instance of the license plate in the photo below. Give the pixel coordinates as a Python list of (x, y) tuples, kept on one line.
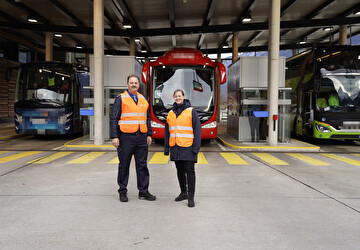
[(38, 121)]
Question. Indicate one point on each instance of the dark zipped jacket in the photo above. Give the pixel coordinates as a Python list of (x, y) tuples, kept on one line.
[(178, 153)]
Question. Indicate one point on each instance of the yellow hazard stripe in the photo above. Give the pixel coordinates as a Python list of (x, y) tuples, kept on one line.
[(343, 159), (159, 158), (3, 152), (201, 159), (358, 155), (114, 161), (233, 159), (308, 159), (87, 158), (18, 156), (270, 159), (51, 157)]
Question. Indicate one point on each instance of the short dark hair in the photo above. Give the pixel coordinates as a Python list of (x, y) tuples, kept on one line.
[(179, 90), (132, 75)]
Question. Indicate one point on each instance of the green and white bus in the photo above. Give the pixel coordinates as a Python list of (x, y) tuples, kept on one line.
[(325, 84)]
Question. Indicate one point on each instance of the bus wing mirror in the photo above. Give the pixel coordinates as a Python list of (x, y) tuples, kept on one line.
[(222, 72), (145, 72)]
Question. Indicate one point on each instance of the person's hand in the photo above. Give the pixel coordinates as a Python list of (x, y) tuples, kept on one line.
[(115, 142), (148, 140)]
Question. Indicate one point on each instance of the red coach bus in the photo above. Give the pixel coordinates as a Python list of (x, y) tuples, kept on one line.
[(191, 71)]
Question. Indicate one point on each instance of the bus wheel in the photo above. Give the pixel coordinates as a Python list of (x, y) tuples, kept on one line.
[(85, 125)]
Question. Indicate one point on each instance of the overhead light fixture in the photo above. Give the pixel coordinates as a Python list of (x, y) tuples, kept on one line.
[(302, 42), (246, 18), (357, 12), (57, 35), (79, 46), (328, 28), (226, 45), (137, 39), (32, 19), (143, 49), (127, 25)]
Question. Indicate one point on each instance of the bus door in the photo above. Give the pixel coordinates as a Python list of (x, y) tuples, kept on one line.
[(308, 113)]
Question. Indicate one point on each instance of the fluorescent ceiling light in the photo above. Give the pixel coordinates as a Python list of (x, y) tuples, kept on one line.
[(32, 19)]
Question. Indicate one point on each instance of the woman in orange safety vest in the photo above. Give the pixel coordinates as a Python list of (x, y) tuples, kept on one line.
[(183, 139)]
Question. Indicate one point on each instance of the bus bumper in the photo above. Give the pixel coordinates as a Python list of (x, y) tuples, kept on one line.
[(326, 131)]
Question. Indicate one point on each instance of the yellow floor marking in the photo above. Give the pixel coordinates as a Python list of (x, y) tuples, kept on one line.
[(234, 159), (343, 159), (202, 159), (86, 158), (51, 157), (308, 159), (270, 159), (159, 158), (114, 161), (356, 155), (3, 152), (18, 156)]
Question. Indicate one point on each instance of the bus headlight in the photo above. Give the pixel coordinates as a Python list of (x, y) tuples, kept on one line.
[(18, 118), (156, 125), (210, 125), (322, 128), (64, 118)]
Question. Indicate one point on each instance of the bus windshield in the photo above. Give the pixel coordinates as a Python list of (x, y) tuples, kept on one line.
[(341, 87), (197, 83), (51, 85)]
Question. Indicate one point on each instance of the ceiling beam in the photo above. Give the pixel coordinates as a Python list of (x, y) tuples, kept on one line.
[(344, 14), (209, 13), (184, 30), (317, 11), (172, 20), (122, 6), (255, 35), (63, 10)]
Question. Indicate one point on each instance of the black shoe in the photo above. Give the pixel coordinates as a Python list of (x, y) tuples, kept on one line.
[(123, 197), (182, 196), (191, 203), (147, 196)]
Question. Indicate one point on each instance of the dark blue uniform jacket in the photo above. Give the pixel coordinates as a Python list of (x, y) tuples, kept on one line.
[(184, 153), (115, 117)]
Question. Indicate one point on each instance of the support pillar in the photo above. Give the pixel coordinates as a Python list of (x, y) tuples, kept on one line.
[(342, 35), (132, 46), (235, 46), (98, 72), (49, 46), (273, 71), (218, 57)]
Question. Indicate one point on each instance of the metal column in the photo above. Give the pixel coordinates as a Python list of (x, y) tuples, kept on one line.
[(99, 72), (273, 71)]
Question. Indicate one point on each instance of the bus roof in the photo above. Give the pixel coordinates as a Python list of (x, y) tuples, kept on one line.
[(183, 56), (55, 64)]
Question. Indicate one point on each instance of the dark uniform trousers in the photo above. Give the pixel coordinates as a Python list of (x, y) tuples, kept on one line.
[(186, 176), (133, 144)]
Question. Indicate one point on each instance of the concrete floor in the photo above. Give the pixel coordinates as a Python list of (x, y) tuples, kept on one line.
[(255, 206)]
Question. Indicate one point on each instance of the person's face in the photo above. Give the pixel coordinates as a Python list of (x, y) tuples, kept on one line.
[(179, 98), (133, 85)]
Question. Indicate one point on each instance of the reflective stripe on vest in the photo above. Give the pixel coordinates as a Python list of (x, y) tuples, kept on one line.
[(180, 128), (133, 115)]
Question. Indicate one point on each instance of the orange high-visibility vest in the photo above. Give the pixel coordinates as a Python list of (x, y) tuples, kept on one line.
[(133, 116), (180, 128)]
